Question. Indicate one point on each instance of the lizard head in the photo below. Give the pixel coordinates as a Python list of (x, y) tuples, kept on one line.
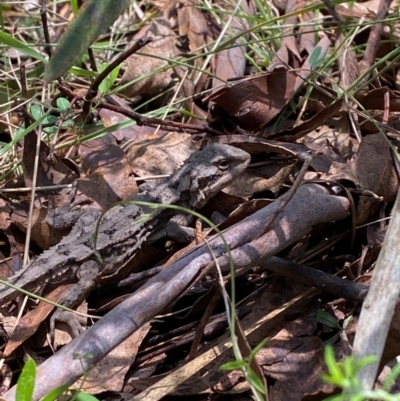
[(208, 171)]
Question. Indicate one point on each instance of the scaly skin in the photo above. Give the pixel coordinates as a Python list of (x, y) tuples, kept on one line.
[(203, 175)]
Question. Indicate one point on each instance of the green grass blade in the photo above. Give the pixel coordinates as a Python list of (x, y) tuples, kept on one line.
[(26, 381), (74, 6), (54, 394), (93, 18), (82, 396), (18, 45)]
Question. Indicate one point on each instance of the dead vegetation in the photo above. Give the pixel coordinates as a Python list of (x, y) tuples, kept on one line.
[(309, 90)]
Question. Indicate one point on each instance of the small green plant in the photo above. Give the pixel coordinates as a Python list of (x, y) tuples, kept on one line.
[(343, 374), (245, 366), (109, 81), (26, 381), (26, 385)]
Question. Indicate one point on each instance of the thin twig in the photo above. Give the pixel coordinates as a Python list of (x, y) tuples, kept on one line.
[(92, 91), (45, 25)]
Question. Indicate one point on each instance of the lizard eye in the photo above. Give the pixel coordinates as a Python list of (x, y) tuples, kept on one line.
[(223, 165)]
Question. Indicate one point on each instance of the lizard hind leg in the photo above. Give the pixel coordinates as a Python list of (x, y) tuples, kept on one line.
[(74, 296)]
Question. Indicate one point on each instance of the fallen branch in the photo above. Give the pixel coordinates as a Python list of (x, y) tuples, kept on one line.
[(311, 204)]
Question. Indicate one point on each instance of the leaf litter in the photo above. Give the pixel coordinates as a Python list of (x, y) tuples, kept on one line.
[(293, 84)]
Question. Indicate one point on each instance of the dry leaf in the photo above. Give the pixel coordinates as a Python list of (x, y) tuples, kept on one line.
[(372, 171), (253, 102), (105, 162), (109, 373), (144, 65), (29, 323)]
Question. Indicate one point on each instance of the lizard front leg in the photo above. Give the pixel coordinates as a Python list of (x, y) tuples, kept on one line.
[(74, 296), (176, 229), (66, 215)]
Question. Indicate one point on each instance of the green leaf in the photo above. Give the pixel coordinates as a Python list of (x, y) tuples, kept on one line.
[(94, 18), (332, 340), (55, 393), (331, 363), (36, 112), (338, 382), (347, 321), (232, 365), (63, 104), (20, 134), (80, 72), (81, 396), (367, 360), (327, 319), (18, 45), (26, 381), (74, 6), (50, 120), (392, 377), (348, 366), (255, 381), (316, 59), (253, 353), (108, 82)]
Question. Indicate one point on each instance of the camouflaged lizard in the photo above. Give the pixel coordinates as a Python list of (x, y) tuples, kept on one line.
[(123, 229)]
